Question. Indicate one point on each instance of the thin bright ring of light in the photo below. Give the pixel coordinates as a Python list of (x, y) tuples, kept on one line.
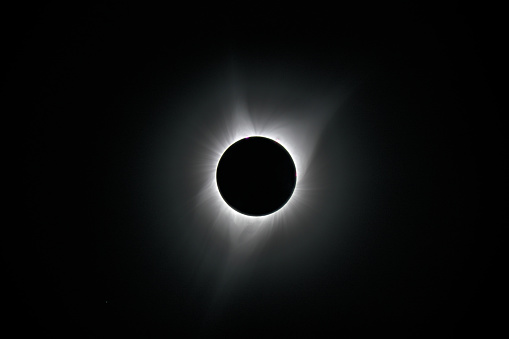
[(279, 210)]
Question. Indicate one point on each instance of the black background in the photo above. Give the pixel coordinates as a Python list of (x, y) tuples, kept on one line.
[(85, 84)]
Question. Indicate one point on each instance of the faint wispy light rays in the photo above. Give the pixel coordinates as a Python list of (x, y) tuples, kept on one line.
[(217, 241), (294, 111)]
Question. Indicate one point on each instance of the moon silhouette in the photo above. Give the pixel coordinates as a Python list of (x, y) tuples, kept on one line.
[(256, 176)]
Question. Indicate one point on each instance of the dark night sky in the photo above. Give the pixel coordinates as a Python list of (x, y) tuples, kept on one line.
[(92, 88)]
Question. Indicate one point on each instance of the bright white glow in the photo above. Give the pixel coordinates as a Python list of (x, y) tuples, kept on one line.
[(221, 112), (299, 135)]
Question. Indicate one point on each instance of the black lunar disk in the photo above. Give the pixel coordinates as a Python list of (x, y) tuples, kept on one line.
[(256, 176)]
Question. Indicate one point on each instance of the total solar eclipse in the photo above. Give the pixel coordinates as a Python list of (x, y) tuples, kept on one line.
[(256, 176)]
